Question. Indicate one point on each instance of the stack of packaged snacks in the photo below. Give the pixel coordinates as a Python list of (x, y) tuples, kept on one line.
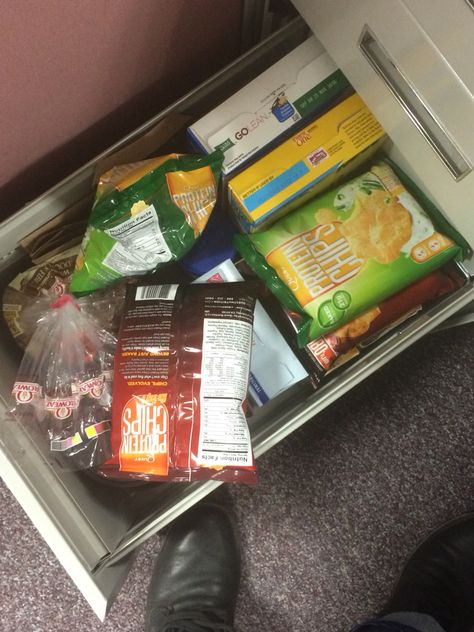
[(297, 88), (178, 410), (347, 263)]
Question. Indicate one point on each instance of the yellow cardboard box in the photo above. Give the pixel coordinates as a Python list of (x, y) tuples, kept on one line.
[(330, 147)]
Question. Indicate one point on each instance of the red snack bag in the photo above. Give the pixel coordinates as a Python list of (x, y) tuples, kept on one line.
[(326, 350), (181, 376), (211, 339), (140, 419)]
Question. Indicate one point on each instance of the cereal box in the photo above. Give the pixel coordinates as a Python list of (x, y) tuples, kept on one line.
[(295, 89), (313, 159)]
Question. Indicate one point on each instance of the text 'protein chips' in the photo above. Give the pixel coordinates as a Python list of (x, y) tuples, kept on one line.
[(348, 249)]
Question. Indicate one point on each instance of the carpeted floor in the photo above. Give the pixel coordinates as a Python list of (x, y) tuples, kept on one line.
[(340, 505)]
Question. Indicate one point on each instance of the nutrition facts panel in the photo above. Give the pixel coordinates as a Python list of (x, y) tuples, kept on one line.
[(224, 437)]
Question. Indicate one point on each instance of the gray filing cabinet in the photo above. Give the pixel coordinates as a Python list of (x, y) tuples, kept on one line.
[(93, 528)]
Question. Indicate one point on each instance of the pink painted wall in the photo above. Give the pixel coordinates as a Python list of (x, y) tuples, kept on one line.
[(76, 75)]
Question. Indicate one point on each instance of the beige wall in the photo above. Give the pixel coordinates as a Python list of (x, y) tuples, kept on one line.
[(75, 75)]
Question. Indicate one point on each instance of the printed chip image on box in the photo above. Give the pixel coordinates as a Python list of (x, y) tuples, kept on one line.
[(325, 150), (294, 89)]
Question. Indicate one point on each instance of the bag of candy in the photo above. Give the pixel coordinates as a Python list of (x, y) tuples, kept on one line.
[(62, 393)]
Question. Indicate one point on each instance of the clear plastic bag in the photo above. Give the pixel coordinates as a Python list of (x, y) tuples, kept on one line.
[(104, 306), (62, 393)]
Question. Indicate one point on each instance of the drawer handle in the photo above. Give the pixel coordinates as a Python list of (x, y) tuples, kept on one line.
[(414, 105), (470, 4)]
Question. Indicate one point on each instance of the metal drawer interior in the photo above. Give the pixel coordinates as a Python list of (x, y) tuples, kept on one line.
[(103, 522), (95, 516)]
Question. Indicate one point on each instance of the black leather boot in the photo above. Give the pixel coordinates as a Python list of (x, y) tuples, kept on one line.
[(439, 577), (196, 577)]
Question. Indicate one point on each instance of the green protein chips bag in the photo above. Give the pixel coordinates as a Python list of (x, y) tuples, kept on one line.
[(146, 216), (347, 250)]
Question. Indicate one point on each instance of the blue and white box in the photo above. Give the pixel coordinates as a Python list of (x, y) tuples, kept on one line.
[(297, 88), (273, 365)]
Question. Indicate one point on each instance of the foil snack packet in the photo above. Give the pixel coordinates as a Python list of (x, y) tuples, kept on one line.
[(180, 384), (145, 215), (334, 349), (347, 250)]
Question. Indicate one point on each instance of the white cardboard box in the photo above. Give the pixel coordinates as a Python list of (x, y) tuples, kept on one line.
[(298, 87), (269, 348)]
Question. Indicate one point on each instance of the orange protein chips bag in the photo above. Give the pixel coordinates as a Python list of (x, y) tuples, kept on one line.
[(140, 442)]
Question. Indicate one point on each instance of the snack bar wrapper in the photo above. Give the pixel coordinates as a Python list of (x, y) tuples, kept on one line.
[(145, 215), (344, 343), (180, 386), (62, 393), (347, 250), (28, 296)]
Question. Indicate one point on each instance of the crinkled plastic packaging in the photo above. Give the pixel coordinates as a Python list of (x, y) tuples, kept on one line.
[(27, 297), (180, 385), (103, 306), (145, 215), (347, 250), (62, 393), (341, 345)]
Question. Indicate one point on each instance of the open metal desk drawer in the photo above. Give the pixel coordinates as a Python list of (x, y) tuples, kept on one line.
[(91, 526)]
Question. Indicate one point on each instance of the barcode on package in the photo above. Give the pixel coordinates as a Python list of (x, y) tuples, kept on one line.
[(156, 292)]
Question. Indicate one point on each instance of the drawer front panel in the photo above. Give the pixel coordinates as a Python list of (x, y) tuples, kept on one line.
[(411, 59), (450, 26)]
